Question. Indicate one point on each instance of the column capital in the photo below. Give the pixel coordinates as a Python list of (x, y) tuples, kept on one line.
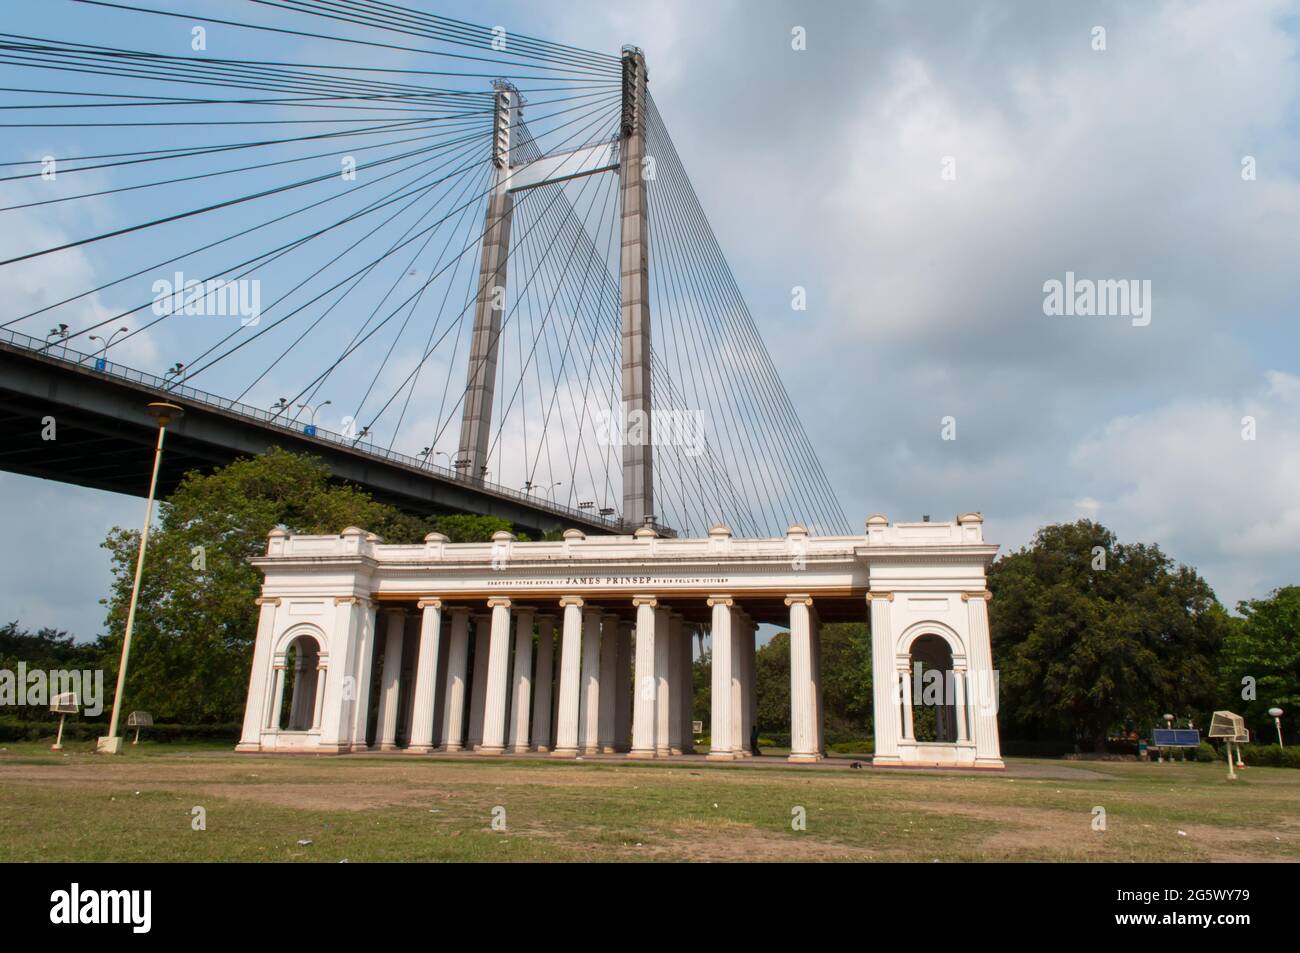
[(985, 595), (267, 600), (499, 602), (430, 602), (886, 596), (643, 600), (566, 601), (799, 599), (721, 600)]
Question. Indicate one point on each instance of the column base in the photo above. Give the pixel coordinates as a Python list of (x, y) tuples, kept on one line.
[(565, 753), (804, 758), (675, 751), (451, 747), (109, 744), (591, 750), (719, 756), (520, 749), (388, 746), (643, 755), (489, 750), (356, 748), (418, 749), (542, 749), (608, 749), (248, 746), (663, 752)]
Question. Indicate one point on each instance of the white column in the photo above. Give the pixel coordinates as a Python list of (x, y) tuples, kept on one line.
[(478, 690), (663, 688), (905, 676), (250, 737), (321, 670), (677, 684), (426, 677), (608, 680), (959, 700), (720, 717), (277, 703), (391, 681), (623, 689), (566, 720), (739, 703), (298, 700), (589, 704), (687, 663), (497, 688), (541, 738), (819, 720), (340, 691), (983, 690), (803, 699), (885, 689), (521, 695), (365, 664), (645, 713), (453, 714)]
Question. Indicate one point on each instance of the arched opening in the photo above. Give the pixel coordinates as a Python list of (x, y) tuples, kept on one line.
[(298, 711), (934, 702)]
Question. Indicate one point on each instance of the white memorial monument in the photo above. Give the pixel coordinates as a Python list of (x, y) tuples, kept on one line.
[(585, 645)]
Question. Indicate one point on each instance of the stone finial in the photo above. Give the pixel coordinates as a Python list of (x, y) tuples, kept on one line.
[(352, 531), (877, 519), (573, 533), (796, 529), (436, 538), (718, 531), (964, 518), (644, 532), (503, 535), (278, 533)]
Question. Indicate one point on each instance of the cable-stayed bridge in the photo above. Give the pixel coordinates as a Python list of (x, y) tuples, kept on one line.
[(464, 266)]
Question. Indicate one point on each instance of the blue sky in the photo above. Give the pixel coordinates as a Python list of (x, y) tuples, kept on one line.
[(821, 168)]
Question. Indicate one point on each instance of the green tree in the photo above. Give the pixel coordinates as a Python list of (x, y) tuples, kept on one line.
[(1264, 645), (196, 619), (1092, 635)]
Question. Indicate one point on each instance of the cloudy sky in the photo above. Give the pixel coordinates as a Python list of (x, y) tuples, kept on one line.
[(922, 169)]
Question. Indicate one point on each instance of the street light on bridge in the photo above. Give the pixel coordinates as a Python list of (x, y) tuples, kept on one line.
[(164, 413), (102, 361)]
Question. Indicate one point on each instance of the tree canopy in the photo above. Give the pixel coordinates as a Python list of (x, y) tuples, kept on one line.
[(1092, 635)]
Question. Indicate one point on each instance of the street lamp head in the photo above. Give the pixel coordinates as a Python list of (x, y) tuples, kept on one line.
[(1169, 719), (1275, 713), (165, 412)]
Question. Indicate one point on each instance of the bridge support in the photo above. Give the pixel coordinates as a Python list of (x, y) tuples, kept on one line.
[(634, 281), (480, 388), (634, 286)]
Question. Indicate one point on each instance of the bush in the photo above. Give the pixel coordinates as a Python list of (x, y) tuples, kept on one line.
[(855, 746), (79, 730), (1271, 756)]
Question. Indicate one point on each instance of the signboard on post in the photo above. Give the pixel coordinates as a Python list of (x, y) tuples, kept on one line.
[(64, 704)]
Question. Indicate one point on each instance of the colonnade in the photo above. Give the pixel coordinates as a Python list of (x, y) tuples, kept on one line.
[(583, 680)]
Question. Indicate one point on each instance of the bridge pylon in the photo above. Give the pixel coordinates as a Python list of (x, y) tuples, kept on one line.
[(624, 155)]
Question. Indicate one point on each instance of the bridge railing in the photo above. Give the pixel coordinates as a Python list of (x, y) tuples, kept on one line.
[(61, 353)]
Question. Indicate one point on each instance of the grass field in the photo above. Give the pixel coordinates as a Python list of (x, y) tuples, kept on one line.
[(77, 806)]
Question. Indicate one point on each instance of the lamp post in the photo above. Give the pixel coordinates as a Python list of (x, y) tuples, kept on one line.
[(101, 362), (1276, 715), (164, 413), (310, 429)]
